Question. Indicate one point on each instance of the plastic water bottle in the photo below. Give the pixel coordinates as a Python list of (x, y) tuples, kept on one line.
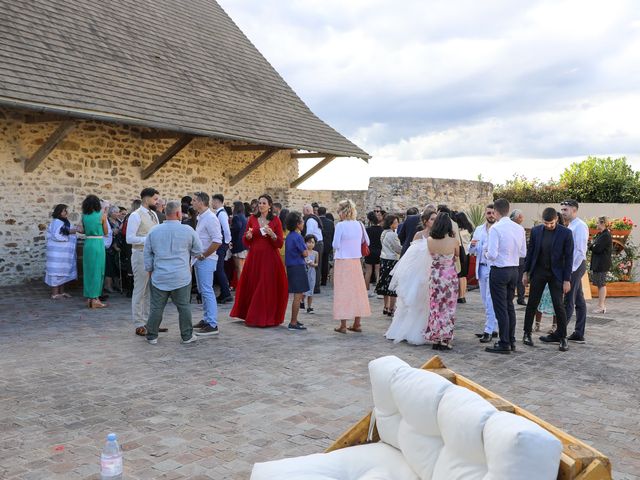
[(111, 459)]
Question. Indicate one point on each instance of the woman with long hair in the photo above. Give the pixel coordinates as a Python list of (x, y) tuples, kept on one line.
[(465, 231), (601, 248), (391, 248), (262, 293), (372, 261), (61, 266), (94, 224), (238, 226)]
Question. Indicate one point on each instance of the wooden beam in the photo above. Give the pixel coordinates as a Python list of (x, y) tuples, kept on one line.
[(171, 152), (248, 148), (156, 135), (263, 157), (45, 118), (47, 147), (308, 155), (312, 171)]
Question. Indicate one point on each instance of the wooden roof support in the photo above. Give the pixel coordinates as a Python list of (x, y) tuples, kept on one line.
[(312, 171), (308, 155), (45, 118), (248, 148), (263, 157), (171, 152), (156, 135), (47, 147)]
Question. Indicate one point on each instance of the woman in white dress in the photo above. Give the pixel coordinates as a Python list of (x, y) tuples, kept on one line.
[(61, 265), (410, 280)]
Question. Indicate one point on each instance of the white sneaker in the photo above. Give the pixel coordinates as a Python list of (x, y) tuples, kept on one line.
[(193, 339), (371, 294), (152, 341)]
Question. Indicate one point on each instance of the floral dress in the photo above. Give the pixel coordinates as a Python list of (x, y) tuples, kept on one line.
[(546, 304), (443, 299)]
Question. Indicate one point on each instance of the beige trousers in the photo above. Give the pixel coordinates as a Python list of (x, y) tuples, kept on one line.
[(141, 295)]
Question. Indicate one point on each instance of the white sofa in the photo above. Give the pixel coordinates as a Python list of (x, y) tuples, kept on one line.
[(430, 429)]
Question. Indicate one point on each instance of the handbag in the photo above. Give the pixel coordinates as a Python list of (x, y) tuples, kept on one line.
[(364, 248)]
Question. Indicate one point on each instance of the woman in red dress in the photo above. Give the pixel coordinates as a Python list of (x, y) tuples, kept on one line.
[(262, 293)]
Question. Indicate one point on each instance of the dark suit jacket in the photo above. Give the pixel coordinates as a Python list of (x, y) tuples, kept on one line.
[(328, 229), (601, 252), (409, 228), (561, 252)]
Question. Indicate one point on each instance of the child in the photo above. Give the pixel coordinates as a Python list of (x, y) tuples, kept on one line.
[(294, 258), (312, 262)]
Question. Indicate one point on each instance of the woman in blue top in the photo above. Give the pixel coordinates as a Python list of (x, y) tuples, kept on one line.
[(294, 259), (238, 226)]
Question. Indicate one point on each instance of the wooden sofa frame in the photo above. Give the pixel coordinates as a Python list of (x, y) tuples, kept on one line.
[(578, 462)]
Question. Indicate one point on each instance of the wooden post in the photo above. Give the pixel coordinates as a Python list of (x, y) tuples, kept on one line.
[(264, 156), (171, 152), (248, 148), (312, 171), (47, 147)]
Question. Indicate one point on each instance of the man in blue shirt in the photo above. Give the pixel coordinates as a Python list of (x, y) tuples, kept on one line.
[(167, 257)]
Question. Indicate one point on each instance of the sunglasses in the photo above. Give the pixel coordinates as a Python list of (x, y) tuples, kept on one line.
[(568, 204)]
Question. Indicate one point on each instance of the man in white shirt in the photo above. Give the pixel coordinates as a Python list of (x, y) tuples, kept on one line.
[(220, 277), (506, 245), (210, 235), (313, 226), (139, 224), (479, 244), (575, 298)]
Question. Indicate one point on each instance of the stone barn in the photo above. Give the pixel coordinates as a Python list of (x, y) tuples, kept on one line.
[(110, 97)]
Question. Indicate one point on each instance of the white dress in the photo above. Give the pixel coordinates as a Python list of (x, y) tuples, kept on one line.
[(410, 280)]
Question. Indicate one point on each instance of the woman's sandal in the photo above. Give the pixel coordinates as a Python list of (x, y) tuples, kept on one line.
[(96, 304), (56, 296), (385, 311), (340, 330), (354, 329)]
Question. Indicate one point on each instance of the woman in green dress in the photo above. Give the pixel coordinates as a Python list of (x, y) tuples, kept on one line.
[(94, 222)]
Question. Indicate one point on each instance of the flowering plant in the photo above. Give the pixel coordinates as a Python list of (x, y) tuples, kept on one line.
[(624, 223)]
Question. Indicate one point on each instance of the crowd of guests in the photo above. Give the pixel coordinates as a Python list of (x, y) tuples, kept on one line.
[(418, 265)]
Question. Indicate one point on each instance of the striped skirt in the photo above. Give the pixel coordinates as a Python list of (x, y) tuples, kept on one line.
[(350, 298)]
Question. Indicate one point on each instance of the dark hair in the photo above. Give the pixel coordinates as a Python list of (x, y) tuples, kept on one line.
[(412, 211), (186, 199), (247, 208), (122, 209), (330, 216), (549, 214), (270, 201), (442, 227), (150, 192), (255, 200), (90, 204), (292, 220), (443, 208), (322, 211), (491, 206), (310, 237), (277, 205), (57, 211), (228, 209), (315, 205), (463, 222), (238, 208), (373, 218), (560, 219), (218, 196), (389, 218), (203, 197), (501, 206), (426, 215)]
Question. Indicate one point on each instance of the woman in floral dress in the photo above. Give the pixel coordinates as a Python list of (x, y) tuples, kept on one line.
[(444, 246)]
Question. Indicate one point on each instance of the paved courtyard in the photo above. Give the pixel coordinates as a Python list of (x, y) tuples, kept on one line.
[(69, 376)]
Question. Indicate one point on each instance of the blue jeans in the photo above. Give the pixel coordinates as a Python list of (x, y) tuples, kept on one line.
[(220, 275), (490, 324), (204, 278)]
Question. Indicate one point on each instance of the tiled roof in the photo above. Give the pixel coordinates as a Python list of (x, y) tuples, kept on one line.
[(180, 65)]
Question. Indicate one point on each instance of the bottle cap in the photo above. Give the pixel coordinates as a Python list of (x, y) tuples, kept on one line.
[(111, 437)]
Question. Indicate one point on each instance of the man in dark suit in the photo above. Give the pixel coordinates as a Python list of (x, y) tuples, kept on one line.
[(410, 226), (328, 229), (549, 262)]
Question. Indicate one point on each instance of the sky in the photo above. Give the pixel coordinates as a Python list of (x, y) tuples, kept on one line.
[(458, 88)]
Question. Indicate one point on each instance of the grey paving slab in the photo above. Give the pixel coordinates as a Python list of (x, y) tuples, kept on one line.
[(69, 376)]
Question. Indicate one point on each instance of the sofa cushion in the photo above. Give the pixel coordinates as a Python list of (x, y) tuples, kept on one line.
[(375, 461), (519, 449), (462, 415), (385, 409)]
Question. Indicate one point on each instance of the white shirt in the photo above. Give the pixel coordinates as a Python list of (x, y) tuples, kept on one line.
[(108, 238), (208, 230), (507, 243), (314, 229), (580, 233), (391, 246), (347, 239), (481, 234), (133, 223), (223, 219)]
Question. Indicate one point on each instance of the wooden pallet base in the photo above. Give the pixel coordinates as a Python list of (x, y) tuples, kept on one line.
[(619, 289)]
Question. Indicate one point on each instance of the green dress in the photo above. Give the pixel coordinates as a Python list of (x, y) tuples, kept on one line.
[(93, 257)]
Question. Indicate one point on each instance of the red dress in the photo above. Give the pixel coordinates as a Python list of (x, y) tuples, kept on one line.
[(262, 293)]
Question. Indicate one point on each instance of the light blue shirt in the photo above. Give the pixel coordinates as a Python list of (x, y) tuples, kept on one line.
[(580, 233), (208, 230), (167, 254), (481, 234), (507, 243)]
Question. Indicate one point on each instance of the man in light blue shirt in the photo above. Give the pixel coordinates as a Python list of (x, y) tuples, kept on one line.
[(167, 257), (575, 298)]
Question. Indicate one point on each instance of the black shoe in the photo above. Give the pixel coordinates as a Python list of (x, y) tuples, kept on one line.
[(551, 338), (316, 291), (297, 326), (462, 300), (436, 346), (486, 338), (574, 337), (200, 324), (479, 335), (222, 300), (309, 310), (522, 302), (103, 298), (497, 348), (513, 347), (494, 335), (207, 331), (526, 339), (564, 345), (302, 305)]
